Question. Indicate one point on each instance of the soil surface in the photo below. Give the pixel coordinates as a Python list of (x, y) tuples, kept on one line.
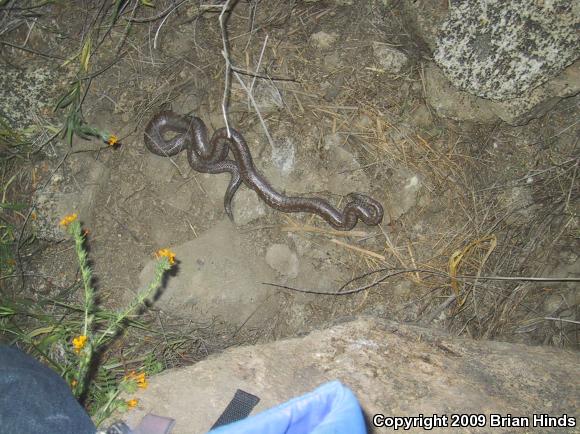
[(326, 117)]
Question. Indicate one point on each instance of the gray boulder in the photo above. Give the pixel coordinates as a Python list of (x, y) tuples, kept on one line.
[(512, 61), (498, 50), (393, 369)]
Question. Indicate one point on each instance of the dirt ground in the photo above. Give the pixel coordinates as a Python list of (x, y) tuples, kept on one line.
[(501, 199)]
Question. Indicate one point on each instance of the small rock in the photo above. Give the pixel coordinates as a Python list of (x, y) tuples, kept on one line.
[(552, 303), (403, 197), (363, 122), (283, 260), (402, 289), (284, 155), (519, 202), (247, 206), (413, 183), (323, 40), (267, 97), (332, 141), (331, 62), (333, 89), (393, 61)]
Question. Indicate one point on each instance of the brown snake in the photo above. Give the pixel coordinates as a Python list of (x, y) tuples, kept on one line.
[(211, 156)]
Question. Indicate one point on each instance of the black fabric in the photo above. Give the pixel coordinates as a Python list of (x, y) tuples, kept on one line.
[(239, 408)]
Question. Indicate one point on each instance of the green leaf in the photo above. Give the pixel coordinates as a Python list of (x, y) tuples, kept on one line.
[(68, 98), (86, 54), (13, 206)]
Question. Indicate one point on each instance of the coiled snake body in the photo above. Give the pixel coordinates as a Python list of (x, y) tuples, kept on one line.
[(211, 156)]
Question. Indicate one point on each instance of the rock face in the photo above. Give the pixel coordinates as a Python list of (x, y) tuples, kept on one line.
[(393, 369), (24, 93), (512, 61), (497, 49)]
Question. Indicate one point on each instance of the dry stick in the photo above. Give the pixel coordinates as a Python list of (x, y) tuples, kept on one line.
[(265, 77), (226, 54), (230, 68), (126, 34), (252, 21), (358, 249), (571, 186), (438, 310), (561, 319), (259, 63), (159, 29), (330, 232), (30, 50), (396, 272), (255, 108), (156, 17), (47, 141), (392, 247), (30, 27)]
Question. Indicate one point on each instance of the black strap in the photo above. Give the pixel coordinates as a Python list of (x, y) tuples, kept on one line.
[(239, 408)]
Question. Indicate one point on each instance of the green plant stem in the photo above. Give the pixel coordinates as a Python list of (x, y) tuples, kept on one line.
[(162, 266), (102, 413), (86, 276)]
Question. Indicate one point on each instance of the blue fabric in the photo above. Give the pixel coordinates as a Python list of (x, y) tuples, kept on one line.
[(330, 409), (35, 400)]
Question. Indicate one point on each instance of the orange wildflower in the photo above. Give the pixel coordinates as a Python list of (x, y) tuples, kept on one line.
[(138, 378), (68, 219), (167, 253), (112, 141), (79, 343), (132, 403)]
